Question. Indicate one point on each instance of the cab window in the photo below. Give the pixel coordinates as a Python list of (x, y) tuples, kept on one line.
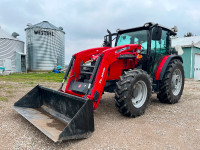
[(161, 46), (135, 37)]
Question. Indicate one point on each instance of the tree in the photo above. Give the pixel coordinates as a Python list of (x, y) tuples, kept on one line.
[(188, 34)]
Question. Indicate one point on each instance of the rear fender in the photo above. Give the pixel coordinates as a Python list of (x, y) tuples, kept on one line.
[(162, 66)]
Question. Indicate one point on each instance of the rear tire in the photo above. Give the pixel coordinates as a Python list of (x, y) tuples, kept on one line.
[(172, 84), (133, 93)]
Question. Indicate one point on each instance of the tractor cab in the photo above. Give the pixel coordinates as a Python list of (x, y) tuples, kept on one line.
[(154, 40)]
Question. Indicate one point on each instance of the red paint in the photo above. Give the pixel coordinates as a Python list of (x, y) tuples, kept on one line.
[(160, 67), (94, 57), (109, 59), (84, 56)]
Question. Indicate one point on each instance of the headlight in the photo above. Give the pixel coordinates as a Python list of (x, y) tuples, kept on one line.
[(122, 49), (138, 51)]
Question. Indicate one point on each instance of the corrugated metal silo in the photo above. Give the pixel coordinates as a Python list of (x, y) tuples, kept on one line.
[(45, 46), (12, 55)]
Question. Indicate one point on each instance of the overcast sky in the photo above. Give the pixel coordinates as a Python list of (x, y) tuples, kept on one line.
[(85, 21)]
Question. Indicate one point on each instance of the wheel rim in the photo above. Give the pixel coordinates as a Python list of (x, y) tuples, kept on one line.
[(139, 94), (176, 82)]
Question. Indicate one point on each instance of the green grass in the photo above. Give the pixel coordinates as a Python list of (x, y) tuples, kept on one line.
[(3, 99), (10, 92), (32, 77), (5, 86)]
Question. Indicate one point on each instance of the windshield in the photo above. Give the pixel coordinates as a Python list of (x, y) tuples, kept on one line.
[(135, 37)]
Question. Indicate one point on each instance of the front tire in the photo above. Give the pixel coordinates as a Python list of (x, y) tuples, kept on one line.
[(133, 93), (172, 84)]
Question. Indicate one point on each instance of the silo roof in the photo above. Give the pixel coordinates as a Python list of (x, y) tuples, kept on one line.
[(44, 25), (6, 35)]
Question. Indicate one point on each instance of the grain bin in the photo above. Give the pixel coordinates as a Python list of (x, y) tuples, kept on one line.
[(12, 56), (45, 46)]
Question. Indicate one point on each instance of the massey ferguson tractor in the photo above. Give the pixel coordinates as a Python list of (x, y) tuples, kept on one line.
[(139, 62)]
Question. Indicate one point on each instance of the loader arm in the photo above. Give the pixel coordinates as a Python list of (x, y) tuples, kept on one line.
[(106, 56), (82, 56)]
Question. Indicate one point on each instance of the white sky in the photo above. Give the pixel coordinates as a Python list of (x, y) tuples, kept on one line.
[(85, 21)]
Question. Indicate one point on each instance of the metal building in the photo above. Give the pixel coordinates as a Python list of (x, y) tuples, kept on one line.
[(191, 55), (12, 56), (44, 46)]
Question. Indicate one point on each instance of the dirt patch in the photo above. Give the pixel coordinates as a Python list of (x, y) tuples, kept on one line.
[(163, 126)]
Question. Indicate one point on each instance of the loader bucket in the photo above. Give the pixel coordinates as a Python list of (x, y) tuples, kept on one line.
[(58, 115)]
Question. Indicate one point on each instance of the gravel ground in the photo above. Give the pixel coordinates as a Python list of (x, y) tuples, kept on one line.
[(162, 126)]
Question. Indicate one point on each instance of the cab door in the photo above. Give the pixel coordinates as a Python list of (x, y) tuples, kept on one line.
[(159, 49)]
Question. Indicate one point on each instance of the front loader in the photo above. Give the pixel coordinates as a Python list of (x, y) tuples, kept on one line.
[(140, 62)]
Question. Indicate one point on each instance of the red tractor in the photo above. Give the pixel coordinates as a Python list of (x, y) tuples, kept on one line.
[(141, 61)]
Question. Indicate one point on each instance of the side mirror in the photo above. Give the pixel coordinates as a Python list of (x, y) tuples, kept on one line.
[(156, 33), (110, 37), (108, 40)]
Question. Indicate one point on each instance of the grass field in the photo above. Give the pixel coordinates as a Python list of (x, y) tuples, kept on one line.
[(34, 76)]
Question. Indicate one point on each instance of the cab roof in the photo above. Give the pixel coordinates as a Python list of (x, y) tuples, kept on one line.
[(146, 26)]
